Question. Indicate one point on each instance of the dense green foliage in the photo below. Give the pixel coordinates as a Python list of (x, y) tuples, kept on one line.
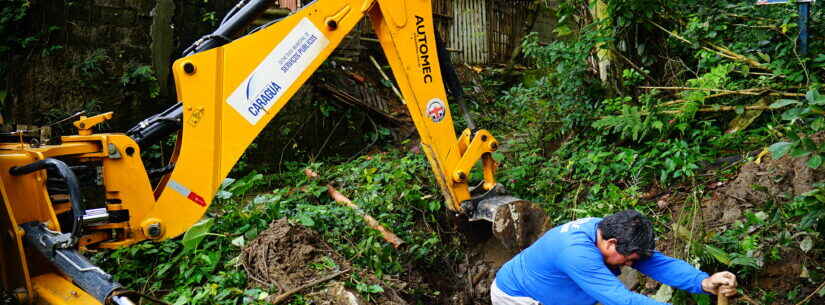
[(203, 266), (693, 90), (690, 85)]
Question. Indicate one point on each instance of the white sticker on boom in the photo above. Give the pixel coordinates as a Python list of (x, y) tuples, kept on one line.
[(276, 73)]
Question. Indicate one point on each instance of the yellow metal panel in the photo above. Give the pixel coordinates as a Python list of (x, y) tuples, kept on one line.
[(411, 51), (26, 195), (14, 266), (395, 12), (54, 150), (126, 180), (215, 134), (52, 289)]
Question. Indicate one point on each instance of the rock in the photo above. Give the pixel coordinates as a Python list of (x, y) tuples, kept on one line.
[(629, 277), (344, 296), (651, 284)]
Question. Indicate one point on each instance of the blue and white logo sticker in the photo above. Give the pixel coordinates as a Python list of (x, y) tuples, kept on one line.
[(278, 71), (436, 110)]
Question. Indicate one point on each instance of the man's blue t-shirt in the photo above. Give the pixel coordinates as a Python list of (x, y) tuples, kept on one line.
[(565, 267)]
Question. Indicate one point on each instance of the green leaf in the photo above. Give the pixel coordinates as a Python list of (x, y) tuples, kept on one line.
[(702, 299), (562, 30), (794, 113), (784, 102), (239, 242), (814, 97), (745, 261), (818, 124), (375, 289), (196, 233), (815, 161), (306, 220), (806, 244), (434, 205), (498, 156), (718, 254), (778, 150)]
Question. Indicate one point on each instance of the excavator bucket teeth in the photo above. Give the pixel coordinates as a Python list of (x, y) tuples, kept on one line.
[(516, 222)]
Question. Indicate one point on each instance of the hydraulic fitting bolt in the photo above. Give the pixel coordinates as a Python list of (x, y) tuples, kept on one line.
[(154, 230), (460, 176), (332, 24), (189, 68)]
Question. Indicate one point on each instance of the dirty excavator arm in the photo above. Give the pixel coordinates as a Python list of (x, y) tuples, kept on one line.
[(228, 91)]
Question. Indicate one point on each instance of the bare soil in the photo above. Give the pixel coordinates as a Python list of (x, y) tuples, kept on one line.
[(288, 256), (777, 181)]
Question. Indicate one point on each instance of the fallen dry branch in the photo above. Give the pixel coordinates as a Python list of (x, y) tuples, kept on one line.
[(718, 50), (285, 295), (751, 91), (386, 78), (388, 235), (812, 294), (718, 109)]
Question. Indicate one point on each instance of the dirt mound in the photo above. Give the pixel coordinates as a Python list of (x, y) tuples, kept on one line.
[(779, 180), (776, 181), (289, 256)]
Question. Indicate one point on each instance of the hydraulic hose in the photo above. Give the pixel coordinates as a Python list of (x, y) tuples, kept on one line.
[(72, 184)]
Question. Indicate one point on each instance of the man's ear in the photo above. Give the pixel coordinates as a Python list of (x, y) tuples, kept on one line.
[(613, 242)]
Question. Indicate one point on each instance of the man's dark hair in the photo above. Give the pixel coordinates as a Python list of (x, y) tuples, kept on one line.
[(633, 232)]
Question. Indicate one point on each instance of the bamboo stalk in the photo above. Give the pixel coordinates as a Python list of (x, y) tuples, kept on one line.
[(387, 78), (388, 235)]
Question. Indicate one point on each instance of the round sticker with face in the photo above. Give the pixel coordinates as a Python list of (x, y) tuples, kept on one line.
[(436, 110)]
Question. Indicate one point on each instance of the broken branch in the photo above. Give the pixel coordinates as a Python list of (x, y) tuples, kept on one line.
[(718, 50), (751, 91), (386, 78), (289, 293), (388, 235)]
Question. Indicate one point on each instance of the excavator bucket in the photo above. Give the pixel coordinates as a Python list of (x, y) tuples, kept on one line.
[(516, 222)]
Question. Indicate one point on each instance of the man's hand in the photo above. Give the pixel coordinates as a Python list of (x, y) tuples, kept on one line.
[(721, 282)]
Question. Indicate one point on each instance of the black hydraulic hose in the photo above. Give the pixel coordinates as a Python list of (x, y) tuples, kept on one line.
[(237, 19), (451, 81), (169, 121), (72, 184)]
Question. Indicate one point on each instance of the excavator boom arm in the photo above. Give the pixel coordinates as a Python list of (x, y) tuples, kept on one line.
[(228, 90), (229, 94)]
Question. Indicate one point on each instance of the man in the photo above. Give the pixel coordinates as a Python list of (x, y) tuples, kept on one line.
[(577, 264)]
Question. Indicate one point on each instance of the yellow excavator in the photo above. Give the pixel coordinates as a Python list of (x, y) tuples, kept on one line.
[(230, 84)]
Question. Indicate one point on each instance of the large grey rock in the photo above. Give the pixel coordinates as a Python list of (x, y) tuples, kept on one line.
[(630, 277)]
